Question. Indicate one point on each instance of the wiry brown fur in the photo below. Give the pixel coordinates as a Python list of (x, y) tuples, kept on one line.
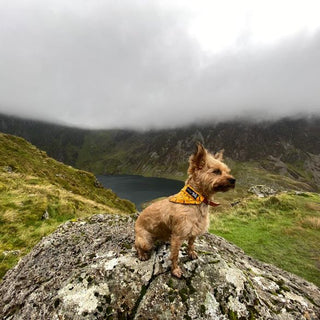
[(167, 221)]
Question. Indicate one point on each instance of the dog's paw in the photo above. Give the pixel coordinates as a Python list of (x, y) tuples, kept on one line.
[(143, 256), (177, 272), (192, 255)]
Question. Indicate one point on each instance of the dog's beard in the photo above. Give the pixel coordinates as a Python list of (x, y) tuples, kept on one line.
[(222, 187)]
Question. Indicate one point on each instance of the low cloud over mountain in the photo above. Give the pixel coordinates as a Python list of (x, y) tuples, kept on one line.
[(127, 64)]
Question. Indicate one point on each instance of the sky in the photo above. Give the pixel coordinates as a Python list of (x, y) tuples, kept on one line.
[(145, 64)]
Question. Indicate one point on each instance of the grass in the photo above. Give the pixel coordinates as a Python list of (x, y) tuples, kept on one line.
[(32, 184), (21, 157), (282, 230)]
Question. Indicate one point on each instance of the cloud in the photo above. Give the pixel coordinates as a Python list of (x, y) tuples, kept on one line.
[(118, 64)]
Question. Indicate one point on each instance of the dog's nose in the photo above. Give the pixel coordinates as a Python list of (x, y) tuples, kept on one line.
[(232, 180)]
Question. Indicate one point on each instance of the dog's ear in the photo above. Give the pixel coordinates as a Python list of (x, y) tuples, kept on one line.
[(219, 155), (198, 159)]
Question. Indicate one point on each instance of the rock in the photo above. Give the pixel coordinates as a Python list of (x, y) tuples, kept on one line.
[(8, 169), (11, 252), (312, 165), (45, 215), (89, 270), (98, 184), (262, 191), (235, 203), (154, 155)]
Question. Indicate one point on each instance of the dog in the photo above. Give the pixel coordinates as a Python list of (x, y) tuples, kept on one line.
[(185, 215)]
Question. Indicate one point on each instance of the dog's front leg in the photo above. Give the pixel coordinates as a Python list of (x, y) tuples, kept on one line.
[(175, 245), (191, 252)]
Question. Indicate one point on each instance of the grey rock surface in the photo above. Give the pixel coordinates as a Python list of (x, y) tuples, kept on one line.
[(262, 191), (89, 270)]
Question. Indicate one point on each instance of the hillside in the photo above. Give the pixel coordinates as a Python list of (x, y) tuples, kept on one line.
[(37, 193), (60, 142), (289, 149), (283, 153)]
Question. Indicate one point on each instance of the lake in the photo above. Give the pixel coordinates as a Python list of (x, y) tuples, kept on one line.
[(140, 189)]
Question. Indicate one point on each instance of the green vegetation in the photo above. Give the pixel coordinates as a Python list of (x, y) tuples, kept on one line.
[(283, 230), (125, 152), (38, 193), (256, 173)]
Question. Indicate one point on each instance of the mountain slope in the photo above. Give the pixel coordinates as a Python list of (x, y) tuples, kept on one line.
[(37, 193), (284, 152), (60, 142)]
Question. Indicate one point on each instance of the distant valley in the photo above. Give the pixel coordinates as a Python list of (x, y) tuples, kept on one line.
[(40, 193), (284, 154)]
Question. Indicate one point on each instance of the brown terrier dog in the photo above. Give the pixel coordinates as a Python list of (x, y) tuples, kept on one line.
[(185, 215)]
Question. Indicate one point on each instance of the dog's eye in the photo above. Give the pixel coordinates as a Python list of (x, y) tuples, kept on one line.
[(217, 171)]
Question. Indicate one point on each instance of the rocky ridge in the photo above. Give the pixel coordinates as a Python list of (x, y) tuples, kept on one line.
[(89, 270), (287, 147)]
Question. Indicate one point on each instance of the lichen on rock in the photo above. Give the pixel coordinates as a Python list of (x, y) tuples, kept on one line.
[(89, 270), (262, 191)]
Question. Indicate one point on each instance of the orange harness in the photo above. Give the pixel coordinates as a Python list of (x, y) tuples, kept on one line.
[(188, 195)]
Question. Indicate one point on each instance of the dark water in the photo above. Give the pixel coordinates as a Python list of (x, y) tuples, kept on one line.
[(140, 189)]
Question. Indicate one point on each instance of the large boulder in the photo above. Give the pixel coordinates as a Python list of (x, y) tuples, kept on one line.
[(89, 270)]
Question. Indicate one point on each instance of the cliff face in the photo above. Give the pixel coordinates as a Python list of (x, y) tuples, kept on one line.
[(89, 270)]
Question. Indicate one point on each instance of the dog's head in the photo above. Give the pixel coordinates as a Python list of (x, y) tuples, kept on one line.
[(209, 173)]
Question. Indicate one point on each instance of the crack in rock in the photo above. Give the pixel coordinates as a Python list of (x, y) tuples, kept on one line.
[(89, 270)]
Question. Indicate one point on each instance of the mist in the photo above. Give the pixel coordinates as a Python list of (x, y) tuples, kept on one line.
[(133, 64)]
